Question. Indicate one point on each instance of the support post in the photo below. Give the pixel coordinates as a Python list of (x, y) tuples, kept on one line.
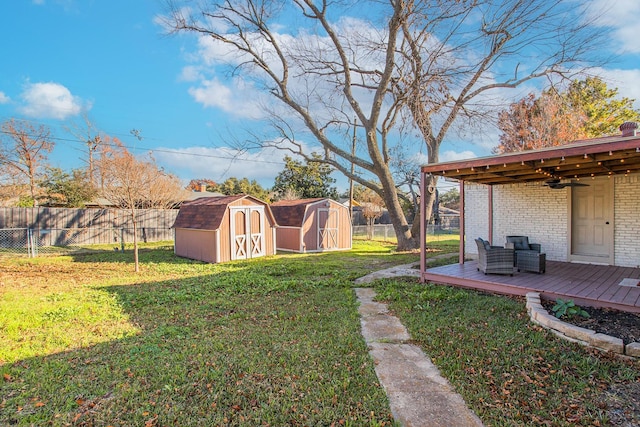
[(461, 246), (423, 234), (490, 215)]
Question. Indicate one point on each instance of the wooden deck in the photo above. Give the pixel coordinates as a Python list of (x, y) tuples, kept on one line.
[(585, 284)]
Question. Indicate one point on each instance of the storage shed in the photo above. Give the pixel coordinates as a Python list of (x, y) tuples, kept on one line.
[(312, 225), (225, 228)]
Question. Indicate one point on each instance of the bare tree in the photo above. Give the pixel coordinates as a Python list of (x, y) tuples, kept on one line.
[(372, 209), (23, 150), (89, 134), (398, 66), (131, 184)]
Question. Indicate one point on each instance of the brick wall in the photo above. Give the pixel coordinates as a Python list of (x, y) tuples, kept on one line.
[(627, 221), (476, 221), (532, 210), (519, 209), (542, 214)]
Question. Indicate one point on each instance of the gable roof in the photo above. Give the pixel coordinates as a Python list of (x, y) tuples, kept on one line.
[(206, 213), (613, 155), (291, 213)]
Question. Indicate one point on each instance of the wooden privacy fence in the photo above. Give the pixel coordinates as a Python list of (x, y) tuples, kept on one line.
[(36, 228), (47, 218)]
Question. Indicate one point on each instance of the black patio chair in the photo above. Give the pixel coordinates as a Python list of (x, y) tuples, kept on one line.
[(521, 244), (494, 259)]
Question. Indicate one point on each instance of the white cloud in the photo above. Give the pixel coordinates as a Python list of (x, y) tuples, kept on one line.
[(237, 98), (4, 99), (626, 81), (446, 156), (450, 155), (212, 93), (620, 16), (190, 73), (49, 100)]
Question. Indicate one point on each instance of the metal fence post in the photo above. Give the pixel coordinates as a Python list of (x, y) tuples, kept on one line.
[(30, 249)]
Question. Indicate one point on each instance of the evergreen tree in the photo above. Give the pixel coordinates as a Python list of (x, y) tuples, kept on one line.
[(233, 186), (68, 190), (307, 180)]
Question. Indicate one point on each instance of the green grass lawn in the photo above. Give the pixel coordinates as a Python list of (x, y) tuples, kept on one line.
[(271, 341), (510, 371)]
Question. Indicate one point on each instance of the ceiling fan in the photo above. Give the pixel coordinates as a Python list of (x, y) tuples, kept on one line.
[(555, 184)]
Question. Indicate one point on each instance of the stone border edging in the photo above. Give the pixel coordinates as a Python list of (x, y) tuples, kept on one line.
[(584, 336)]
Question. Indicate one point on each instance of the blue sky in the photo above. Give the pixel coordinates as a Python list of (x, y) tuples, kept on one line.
[(111, 58)]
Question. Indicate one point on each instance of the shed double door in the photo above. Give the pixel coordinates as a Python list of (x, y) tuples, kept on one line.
[(247, 232)]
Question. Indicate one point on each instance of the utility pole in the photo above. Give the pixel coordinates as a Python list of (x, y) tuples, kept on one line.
[(353, 153)]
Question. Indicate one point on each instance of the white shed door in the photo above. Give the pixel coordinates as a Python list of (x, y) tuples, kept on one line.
[(247, 232)]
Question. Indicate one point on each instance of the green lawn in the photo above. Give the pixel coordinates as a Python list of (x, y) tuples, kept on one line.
[(272, 341), (510, 371)]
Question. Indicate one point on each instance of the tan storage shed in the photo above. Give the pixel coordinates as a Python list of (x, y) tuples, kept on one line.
[(312, 225), (225, 228)]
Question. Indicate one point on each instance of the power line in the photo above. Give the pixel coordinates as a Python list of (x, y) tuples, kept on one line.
[(160, 150)]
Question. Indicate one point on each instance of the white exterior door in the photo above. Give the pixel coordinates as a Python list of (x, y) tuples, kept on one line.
[(247, 232), (592, 222)]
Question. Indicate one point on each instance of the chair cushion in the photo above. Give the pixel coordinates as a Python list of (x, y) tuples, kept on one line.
[(487, 245), (520, 243)]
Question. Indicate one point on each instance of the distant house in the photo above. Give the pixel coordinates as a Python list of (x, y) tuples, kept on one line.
[(312, 225), (204, 193), (224, 228)]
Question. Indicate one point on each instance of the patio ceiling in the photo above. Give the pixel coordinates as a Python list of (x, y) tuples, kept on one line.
[(619, 155)]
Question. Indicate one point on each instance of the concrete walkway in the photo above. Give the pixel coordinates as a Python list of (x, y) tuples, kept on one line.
[(418, 394), (399, 270)]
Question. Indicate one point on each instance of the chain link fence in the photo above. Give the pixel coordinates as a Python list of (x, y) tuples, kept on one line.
[(34, 242), (386, 233), (52, 241)]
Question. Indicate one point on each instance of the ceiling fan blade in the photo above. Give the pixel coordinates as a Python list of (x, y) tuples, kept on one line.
[(576, 184)]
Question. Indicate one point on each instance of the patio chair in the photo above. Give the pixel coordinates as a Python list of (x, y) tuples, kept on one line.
[(521, 244), (494, 259)]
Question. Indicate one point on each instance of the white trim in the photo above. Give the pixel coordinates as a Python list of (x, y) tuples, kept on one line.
[(217, 243), (274, 236)]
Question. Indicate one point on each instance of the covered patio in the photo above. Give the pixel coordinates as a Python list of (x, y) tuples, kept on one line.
[(539, 193)]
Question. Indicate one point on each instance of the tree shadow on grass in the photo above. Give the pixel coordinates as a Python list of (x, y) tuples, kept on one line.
[(214, 349)]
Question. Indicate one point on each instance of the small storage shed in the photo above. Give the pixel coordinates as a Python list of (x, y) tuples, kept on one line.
[(225, 228), (312, 225)]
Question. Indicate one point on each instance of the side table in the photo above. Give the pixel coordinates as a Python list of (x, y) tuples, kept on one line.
[(531, 261)]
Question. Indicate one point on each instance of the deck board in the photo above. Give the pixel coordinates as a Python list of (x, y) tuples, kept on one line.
[(586, 284)]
